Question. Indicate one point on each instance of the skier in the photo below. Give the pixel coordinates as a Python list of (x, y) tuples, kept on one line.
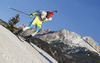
[(41, 16)]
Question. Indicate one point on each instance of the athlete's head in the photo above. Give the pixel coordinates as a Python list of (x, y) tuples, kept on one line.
[(49, 14)]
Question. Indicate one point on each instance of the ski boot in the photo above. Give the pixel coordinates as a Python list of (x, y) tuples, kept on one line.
[(28, 38), (18, 32)]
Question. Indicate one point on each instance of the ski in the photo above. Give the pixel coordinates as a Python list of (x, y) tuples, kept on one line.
[(22, 39)]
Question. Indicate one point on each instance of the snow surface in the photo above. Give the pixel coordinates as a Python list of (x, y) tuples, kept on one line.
[(12, 50)]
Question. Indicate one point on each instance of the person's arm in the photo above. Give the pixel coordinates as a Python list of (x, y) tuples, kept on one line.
[(37, 12), (47, 19), (34, 13)]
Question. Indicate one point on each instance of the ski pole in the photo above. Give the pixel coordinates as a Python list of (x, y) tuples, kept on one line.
[(55, 11), (18, 11)]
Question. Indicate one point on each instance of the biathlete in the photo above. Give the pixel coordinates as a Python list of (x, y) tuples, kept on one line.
[(41, 16)]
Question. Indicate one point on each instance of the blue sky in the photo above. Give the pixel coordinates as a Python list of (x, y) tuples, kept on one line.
[(79, 16)]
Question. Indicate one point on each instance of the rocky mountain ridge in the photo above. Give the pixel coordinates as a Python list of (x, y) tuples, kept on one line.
[(3, 23), (69, 39)]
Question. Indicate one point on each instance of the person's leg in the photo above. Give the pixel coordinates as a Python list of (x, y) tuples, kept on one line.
[(38, 26), (30, 25), (37, 29)]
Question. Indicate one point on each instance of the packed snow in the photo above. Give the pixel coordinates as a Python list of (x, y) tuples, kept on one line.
[(12, 50)]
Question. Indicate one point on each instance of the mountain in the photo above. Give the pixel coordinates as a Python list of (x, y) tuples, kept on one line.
[(12, 50), (3, 23), (68, 38)]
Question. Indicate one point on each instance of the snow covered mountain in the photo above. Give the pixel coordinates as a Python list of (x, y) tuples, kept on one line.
[(69, 38), (12, 50)]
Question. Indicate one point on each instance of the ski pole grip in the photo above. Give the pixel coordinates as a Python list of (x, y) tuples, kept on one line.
[(8, 6)]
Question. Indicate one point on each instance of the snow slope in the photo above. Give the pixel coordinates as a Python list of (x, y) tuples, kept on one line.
[(12, 50)]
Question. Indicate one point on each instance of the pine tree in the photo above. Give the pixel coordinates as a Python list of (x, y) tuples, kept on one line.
[(12, 22)]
